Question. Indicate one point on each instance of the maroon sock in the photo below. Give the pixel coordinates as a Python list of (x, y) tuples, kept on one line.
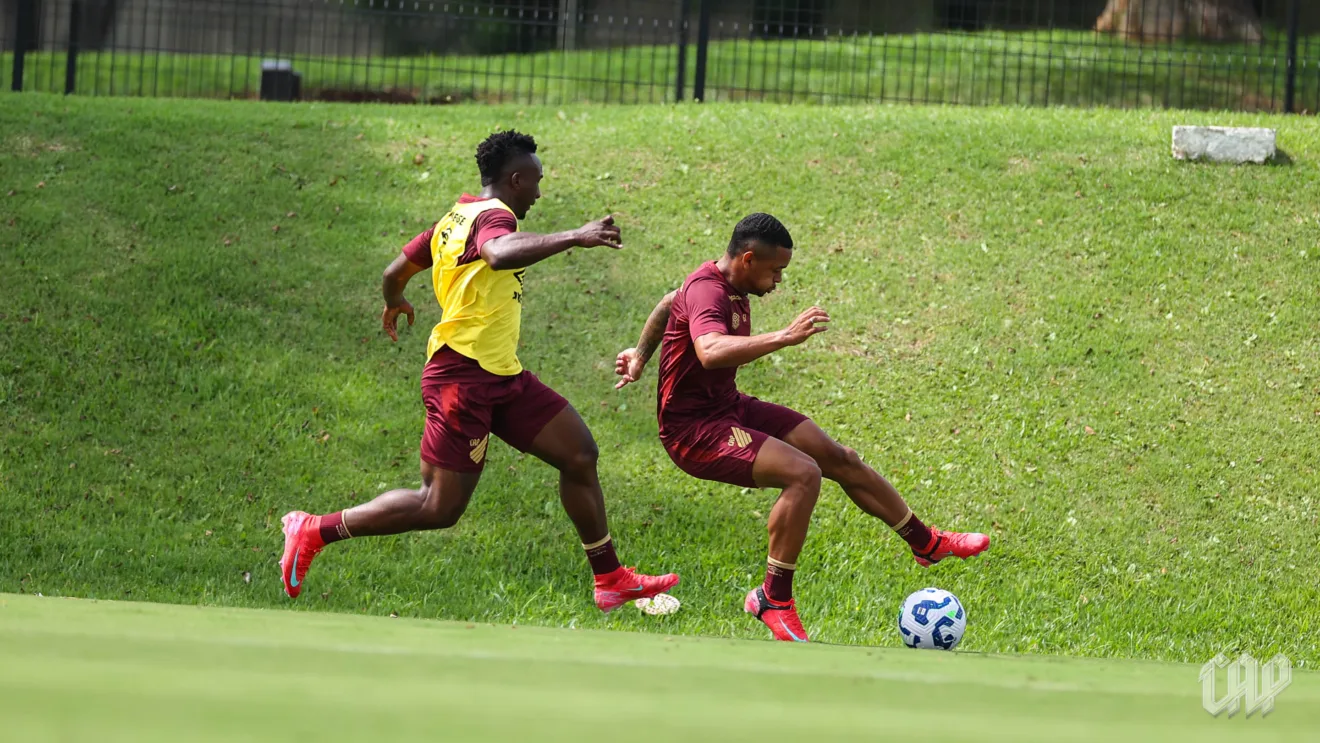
[(915, 533), (332, 527), (778, 584), (602, 558)]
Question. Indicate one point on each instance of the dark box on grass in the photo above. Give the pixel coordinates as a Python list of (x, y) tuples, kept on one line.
[(279, 82)]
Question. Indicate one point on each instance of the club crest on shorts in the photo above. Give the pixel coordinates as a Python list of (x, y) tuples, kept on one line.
[(740, 438), (478, 452)]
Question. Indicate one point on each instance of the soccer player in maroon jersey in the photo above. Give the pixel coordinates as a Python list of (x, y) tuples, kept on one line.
[(714, 432), (473, 384)]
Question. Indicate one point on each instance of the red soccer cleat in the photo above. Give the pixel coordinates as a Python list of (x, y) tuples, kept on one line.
[(950, 544), (302, 542), (624, 584), (782, 619)]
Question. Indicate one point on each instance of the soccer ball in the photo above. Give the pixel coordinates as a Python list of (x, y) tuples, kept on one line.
[(932, 618)]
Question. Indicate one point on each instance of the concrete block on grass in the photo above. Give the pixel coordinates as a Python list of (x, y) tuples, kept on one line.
[(1223, 144)]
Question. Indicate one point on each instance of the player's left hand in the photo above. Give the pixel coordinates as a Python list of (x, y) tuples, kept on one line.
[(628, 365)]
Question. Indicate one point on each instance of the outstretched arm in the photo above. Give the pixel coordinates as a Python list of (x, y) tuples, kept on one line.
[(522, 249), (632, 362), (721, 351)]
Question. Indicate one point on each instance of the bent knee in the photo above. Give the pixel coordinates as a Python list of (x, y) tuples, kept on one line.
[(438, 513), (444, 518), (806, 475), (849, 457), (583, 461), (839, 460)]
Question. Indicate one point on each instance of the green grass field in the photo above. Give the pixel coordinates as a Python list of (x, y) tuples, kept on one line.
[(1044, 328), (77, 670), (1076, 68)]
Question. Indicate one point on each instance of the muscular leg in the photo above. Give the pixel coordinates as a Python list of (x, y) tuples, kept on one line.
[(864, 486), (779, 465), (438, 504), (874, 495), (566, 444)]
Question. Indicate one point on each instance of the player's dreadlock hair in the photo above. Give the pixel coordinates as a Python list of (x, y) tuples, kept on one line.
[(759, 226), (494, 154)]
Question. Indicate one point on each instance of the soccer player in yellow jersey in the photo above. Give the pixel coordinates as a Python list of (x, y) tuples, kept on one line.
[(473, 384)]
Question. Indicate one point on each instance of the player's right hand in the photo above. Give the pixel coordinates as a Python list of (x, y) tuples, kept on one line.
[(389, 318), (628, 365), (601, 233), (806, 325)]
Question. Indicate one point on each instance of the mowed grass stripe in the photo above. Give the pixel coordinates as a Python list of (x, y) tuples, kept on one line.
[(148, 672)]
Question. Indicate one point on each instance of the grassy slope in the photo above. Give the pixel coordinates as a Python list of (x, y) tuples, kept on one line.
[(1027, 68), (1045, 328), (144, 672)]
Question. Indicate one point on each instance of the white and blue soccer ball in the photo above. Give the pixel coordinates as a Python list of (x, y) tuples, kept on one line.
[(933, 619)]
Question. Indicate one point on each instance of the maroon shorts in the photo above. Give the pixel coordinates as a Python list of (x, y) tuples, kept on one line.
[(724, 447), (465, 404)]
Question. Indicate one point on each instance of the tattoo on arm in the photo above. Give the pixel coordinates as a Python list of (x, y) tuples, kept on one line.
[(654, 330)]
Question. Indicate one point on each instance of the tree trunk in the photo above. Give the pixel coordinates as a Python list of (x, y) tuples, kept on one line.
[(1165, 20)]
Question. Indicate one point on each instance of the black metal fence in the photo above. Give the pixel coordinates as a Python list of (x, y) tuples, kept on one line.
[(1215, 54)]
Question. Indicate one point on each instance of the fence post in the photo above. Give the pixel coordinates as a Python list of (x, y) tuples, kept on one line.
[(568, 18), (25, 37), (1290, 89), (703, 43), (75, 43), (683, 8)]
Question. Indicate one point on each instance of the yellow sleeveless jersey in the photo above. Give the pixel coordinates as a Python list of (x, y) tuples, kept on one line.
[(481, 308)]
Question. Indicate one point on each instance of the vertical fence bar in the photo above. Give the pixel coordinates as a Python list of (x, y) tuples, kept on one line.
[(25, 31), (142, 52), (1290, 89), (6, 33), (50, 30), (655, 61), (703, 46), (604, 79), (71, 60), (160, 42), (683, 9)]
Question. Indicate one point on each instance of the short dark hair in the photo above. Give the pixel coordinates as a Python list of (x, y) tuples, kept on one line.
[(498, 150), (762, 227)]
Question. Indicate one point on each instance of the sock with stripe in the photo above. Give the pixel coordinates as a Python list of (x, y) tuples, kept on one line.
[(778, 584), (601, 556), (915, 533), (333, 528)]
